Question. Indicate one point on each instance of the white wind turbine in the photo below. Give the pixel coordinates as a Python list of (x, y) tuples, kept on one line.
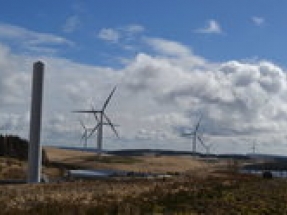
[(97, 118), (195, 135), (102, 119), (84, 136)]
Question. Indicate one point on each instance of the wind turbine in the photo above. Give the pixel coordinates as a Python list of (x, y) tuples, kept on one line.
[(195, 135), (253, 147), (102, 119), (106, 122), (85, 133)]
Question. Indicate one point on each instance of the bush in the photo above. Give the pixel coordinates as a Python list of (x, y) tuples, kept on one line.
[(267, 175)]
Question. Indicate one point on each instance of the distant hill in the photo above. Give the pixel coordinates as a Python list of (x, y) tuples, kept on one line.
[(140, 152), (157, 152), (268, 156)]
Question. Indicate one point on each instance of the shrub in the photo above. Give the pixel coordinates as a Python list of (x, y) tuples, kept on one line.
[(267, 175)]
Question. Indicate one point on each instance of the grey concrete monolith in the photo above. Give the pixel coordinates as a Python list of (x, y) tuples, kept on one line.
[(35, 149)]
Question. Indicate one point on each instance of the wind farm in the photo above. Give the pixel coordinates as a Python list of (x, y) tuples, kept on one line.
[(83, 178), (85, 134), (157, 107)]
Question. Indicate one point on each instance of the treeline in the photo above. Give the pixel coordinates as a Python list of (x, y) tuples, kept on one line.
[(16, 147)]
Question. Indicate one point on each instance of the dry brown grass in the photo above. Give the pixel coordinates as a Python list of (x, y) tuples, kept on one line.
[(62, 160), (178, 195), (127, 195), (11, 168), (149, 163), (99, 194)]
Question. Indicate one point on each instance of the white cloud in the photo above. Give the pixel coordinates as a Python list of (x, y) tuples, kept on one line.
[(72, 24), (30, 40), (14, 123), (212, 27), (259, 21), (125, 36), (234, 95), (167, 47), (109, 34), (178, 54), (158, 95), (134, 29), (14, 82)]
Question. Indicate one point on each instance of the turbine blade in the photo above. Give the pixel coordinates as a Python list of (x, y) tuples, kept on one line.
[(83, 125), (187, 134), (83, 135), (198, 124), (111, 124), (115, 125), (109, 98), (95, 114), (201, 141), (93, 130)]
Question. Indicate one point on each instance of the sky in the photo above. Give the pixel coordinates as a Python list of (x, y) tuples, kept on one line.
[(172, 62)]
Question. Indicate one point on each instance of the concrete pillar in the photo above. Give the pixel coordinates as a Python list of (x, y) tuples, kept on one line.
[(35, 149)]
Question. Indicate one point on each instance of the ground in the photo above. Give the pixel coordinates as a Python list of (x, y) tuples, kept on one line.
[(198, 186), (148, 163)]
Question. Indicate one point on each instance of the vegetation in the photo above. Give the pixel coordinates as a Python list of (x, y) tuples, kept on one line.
[(13, 146), (16, 147), (11, 168), (196, 191), (14, 156), (227, 194)]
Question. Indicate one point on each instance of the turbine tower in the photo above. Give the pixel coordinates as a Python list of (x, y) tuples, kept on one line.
[(35, 148), (102, 119)]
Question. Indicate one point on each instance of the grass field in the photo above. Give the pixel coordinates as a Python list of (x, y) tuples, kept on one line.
[(228, 194), (148, 163), (200, 188)]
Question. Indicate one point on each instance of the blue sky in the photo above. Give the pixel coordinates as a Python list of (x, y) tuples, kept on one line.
[(171, 60), (241, 37)]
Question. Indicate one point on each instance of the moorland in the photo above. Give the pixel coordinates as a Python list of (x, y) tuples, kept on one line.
[(196, 186)]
